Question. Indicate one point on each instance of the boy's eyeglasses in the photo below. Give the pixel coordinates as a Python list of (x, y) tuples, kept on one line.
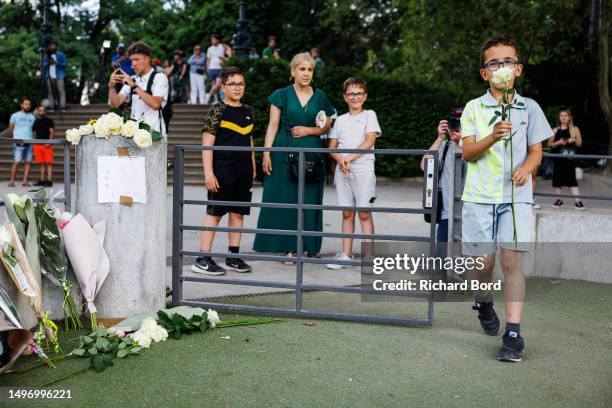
[(235, 85), (355, 95), (495, 65)]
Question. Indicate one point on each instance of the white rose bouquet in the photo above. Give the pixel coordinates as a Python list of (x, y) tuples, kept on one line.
[(116, 123)]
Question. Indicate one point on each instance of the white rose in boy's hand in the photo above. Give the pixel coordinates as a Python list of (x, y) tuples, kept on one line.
[(114, 123), (101, 128), (73, 136), (129, 128), (142, 138), (503, 75), (85, 130)]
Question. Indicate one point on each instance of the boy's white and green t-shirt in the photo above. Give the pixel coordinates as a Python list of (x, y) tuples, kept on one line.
[(488, 179)]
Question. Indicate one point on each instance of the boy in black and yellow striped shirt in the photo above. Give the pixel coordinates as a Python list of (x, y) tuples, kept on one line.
[(228, 175)]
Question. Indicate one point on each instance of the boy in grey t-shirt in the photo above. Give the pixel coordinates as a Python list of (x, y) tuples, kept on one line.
[(354, 178)]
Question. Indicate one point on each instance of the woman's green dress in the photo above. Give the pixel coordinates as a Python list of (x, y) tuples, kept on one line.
[(279, 187)]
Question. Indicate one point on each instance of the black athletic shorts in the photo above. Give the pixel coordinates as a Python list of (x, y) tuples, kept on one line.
[(231, 188)]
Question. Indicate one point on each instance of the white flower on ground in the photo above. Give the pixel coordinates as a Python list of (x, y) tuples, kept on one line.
[(85, 130), (158, 334), (129, 128), (101, 128), (118, 332), (142, 138), (148, 323), (142, 338), (114, 123), (213, 317), (503, 75), (73, 136)]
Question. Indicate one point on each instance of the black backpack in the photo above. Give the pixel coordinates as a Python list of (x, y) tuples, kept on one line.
[(166, 111)]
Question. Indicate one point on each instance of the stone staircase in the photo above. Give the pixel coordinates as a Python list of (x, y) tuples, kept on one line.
[(185, 128)]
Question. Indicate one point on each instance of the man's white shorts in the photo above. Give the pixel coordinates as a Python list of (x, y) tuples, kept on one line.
[(357, 188)]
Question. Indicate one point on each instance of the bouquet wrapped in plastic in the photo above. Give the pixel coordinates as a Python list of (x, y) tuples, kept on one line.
[(53, 261), (14, 259)]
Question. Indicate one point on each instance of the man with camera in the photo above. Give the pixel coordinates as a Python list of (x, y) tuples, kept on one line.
[(54, 64), (147, 89), (449, 136)]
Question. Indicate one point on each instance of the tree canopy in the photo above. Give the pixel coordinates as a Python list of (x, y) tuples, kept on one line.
[(431, 40)]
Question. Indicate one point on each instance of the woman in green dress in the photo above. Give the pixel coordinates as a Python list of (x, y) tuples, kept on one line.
[(293, 112)]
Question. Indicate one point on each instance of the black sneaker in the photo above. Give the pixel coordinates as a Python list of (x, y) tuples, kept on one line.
[(207, 266), (488, 318), (47, 183), (558, 203), (40, 183), (238, 265), (579, 206), (513, 348)]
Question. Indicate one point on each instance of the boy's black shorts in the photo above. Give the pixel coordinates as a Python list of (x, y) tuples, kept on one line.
[(231, 188)]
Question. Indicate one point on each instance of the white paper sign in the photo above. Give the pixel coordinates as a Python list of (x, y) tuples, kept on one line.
[(121, 176)]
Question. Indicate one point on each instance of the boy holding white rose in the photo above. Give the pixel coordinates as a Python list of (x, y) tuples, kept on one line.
[(497, 199)]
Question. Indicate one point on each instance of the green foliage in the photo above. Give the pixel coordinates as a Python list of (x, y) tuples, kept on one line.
[(176, 325), (407, 110), (102, 346)]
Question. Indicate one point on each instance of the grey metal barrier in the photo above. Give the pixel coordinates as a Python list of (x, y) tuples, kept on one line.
[(458, 177), (178, 252), (67, 198)]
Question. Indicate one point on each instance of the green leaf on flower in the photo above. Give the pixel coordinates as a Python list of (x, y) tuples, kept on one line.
[(203, 326), (122, 353), (493, 119), (20, 213), (145, 126), (98, 363), (155, 135), (135, 350), (78, 352), (93, 351), (86, 339), (122, 345), (108, 361), (101, 332)]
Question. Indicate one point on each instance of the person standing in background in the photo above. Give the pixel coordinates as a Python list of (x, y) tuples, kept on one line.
[(197, 73), (178, 72), (20, 127), (564, 142), (44, 128), (54, 64), (268, 52), (319, 64), (122, 60), (215, 55)]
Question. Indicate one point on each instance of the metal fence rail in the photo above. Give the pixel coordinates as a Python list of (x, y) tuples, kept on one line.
[(178, 252), (67, 198)]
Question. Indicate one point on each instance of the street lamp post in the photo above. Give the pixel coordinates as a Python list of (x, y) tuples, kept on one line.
[(242, 43), (45, 39)]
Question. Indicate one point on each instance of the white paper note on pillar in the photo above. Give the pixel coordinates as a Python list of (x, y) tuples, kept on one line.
[(121, 176)]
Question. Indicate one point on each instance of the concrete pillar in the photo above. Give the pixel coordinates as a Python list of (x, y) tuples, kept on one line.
[(135, 236)]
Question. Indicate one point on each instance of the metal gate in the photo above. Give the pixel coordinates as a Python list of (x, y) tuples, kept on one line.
[(178, 251)]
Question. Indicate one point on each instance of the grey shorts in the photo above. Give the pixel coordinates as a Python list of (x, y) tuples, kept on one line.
[(356, 189), (485, 227)]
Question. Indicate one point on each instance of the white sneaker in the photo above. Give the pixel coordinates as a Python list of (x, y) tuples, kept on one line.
[(340, 256), (536, 206)]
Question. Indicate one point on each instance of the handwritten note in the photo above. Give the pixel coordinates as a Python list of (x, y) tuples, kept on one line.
[(121, 177)]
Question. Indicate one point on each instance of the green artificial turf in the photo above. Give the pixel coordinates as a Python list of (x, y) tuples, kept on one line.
[(567, 329)]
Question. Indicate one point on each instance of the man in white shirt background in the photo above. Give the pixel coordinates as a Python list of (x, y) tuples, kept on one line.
[(215, 55), (147, 89)]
